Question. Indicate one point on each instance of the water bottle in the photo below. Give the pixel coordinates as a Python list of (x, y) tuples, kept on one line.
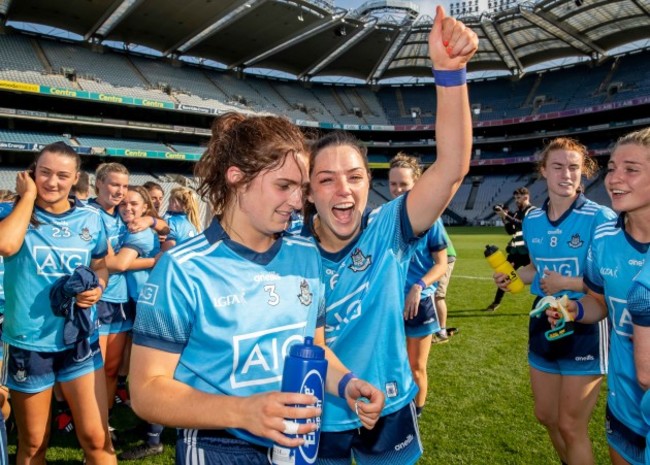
[(500, 264), (304, 372)]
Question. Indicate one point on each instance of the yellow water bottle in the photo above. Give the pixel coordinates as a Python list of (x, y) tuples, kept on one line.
[(500, 264)]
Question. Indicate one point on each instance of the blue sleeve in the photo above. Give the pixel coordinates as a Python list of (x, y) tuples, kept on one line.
[(165, 311), (436, 238), (140, 242), (5, 209), (604, 215), (591, 277), (101, 246), (173, 229), (638, 304)]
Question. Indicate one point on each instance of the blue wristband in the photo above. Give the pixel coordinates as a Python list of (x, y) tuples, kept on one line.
[(450, 78), (155, 222), (101, 287), (421, 283), (581, 311), (344, 383)]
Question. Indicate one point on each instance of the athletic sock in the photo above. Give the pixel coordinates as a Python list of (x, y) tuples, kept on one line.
[(153, 434)]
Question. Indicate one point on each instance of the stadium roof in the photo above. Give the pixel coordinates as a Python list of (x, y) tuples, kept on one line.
[(311, 38)]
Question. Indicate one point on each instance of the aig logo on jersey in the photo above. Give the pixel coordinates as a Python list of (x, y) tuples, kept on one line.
[(565, 266), (360, 262), (148, 294), (258, 356), (54, 261), (621, 318)]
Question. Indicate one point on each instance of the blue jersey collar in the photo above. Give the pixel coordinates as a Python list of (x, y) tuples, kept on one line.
[(641, 247), (93, 201), (215, 233), (72, 200), (578, 203)]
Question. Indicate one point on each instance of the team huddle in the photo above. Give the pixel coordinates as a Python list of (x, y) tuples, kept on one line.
[(200, 321)]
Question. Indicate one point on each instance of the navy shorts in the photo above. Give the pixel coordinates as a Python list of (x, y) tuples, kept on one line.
[(629, 444), (394, 439), (31, 372), (114, 317), (217, 447), (425, 322), (583, 353)]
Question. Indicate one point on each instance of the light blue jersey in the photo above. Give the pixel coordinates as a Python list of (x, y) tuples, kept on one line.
[(562, 245), (231, 313), (180, 227), (614, 260), (147, 245), (638, 304), (116, 290), (422, 261), (365, 298), (51, 250), (5, 209)]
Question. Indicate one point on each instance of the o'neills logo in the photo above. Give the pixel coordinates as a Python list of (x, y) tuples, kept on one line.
[(403, 444)]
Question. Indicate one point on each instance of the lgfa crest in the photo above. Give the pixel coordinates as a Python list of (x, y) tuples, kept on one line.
[(85, 234), (305, 297), (359, 261), (575, 241)]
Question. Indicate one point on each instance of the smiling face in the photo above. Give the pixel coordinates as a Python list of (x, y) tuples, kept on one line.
[(263, 207), (112, 189), (563, 172), (133, 206), (400, 180), (54, 175), (628, 179), (339, 186)]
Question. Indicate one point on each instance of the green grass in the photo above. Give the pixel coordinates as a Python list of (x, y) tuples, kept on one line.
[(479, 409)]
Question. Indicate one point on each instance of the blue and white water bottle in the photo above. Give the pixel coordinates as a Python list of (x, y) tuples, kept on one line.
[(304, 372)]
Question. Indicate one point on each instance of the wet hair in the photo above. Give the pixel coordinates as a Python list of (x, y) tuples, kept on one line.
[(403, 160), (333, 139), (151, 185), (148, 203), (589, 165), (187, 199), (251, 143), (105, 169), (83, 184), (640, 137)]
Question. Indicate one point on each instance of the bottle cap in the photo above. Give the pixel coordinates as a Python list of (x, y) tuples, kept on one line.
[(307, 350), (490, 249)]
